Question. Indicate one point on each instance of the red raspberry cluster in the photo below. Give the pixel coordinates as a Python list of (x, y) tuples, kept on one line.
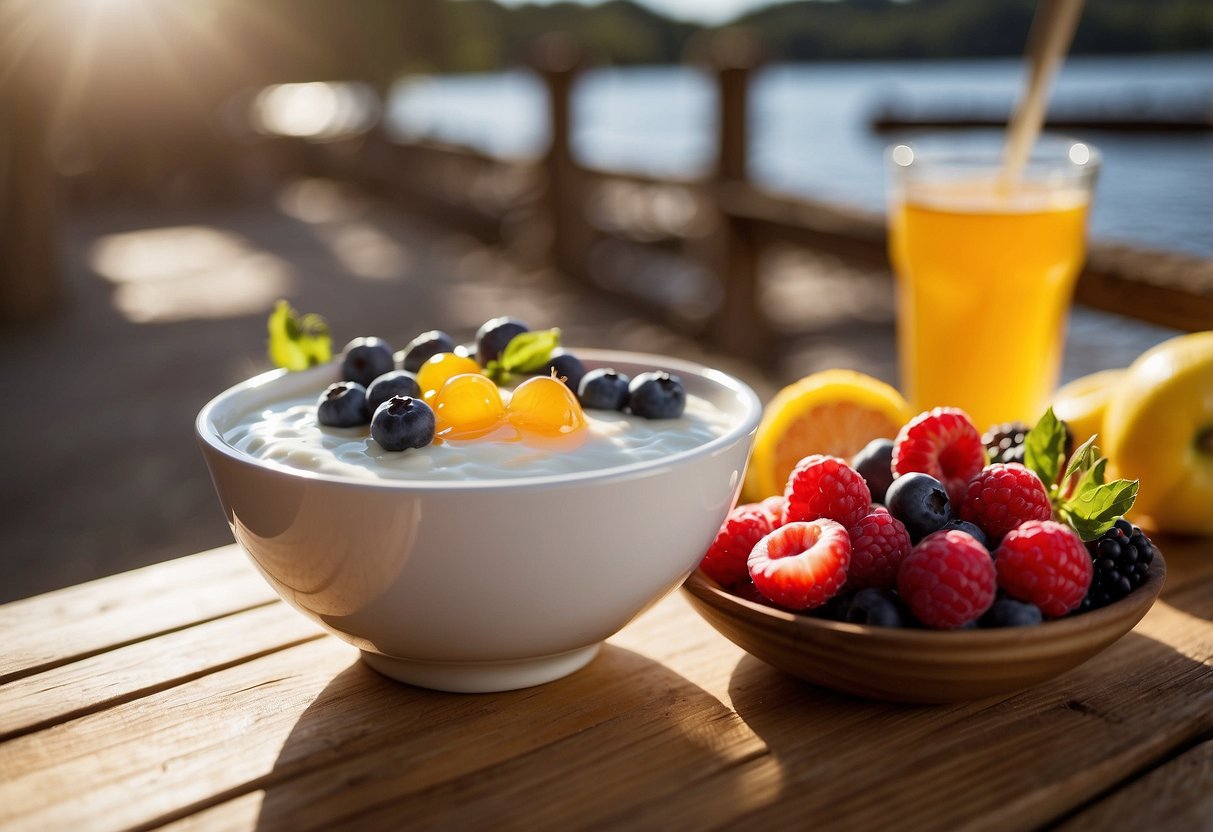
[(945, 546)]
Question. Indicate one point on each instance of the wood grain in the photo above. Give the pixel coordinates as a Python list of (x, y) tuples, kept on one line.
[(53, 629), (100, 681), (671, 727), (1175, 796)]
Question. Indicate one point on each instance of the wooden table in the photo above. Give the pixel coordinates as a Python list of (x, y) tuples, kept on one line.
[(187, 696)]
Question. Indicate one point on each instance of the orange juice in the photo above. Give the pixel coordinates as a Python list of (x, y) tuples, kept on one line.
[(984, 285)]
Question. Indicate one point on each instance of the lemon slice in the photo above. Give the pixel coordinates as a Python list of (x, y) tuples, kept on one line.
[(1082, 402), (833, 412)]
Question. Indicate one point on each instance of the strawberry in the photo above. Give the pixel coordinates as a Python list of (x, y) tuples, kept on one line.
[(944, 444), (801, 564)]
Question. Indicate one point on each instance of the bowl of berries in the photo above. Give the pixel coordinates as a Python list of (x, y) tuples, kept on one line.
[(476, 517), (923, 570)]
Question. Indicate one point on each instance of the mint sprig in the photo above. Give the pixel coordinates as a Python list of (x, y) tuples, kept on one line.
[(1079, 495), (526, 352), (296, 341)]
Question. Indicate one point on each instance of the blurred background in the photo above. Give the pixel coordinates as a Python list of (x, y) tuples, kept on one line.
[(696, 177)]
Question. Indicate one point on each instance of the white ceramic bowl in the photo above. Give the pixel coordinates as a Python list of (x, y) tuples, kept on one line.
[(479, 585)]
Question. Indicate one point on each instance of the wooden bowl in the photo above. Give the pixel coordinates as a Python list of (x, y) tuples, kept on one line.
[(919, 665)]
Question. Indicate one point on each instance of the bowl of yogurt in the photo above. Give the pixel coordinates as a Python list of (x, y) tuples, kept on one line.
[(479, 565)]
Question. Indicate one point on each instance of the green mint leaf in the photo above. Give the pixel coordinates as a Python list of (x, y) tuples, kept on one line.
[(496, 371), (529, 351), (297, 342), (1082, 459), (1092, 477), (1093, 511), (1044, 448)]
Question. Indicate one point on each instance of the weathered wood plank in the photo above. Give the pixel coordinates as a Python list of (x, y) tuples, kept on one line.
[(50, 630), (1177, 796), (717, 740), (670, 726), (150, 665)]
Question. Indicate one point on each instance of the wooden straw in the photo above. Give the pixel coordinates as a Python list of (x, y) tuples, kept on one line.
[(1052, 31)]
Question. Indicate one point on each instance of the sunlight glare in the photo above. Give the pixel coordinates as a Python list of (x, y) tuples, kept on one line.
[(188, 272)]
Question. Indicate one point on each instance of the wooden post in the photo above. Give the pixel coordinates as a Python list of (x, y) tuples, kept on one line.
[(558, 60), (739, 328), (29, 272)]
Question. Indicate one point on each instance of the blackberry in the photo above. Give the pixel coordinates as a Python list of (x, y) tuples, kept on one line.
[(1004, 443), (1121, 557)]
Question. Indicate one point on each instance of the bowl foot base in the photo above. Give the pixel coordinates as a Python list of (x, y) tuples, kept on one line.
[(482, 677)]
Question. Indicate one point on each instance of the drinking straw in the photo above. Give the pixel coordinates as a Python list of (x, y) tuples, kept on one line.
[(1052, 31)]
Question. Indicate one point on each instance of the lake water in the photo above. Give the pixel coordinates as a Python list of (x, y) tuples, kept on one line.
[(810, 133)]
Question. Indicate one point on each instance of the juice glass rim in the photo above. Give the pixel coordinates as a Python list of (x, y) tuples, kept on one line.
[(1056, 161)]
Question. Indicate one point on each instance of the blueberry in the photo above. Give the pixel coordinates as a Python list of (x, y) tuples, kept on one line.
[(604, 389), (657, 395), (968, 528), (395, 383), (875, 606), (920, 502), (568, 367), (494, 336), (366, 359), (343, 405), (875, 464), (403, 422), (1008, 612), (423, 347)]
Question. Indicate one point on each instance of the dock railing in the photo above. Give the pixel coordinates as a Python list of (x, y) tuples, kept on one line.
[(703, 240)]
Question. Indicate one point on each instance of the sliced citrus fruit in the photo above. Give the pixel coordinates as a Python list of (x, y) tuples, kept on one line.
[(833, 412), (1082, 402)]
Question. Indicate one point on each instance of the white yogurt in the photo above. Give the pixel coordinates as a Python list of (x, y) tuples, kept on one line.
[(287, 433)]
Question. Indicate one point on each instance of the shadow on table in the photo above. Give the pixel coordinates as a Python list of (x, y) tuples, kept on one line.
[(1189, 562), (878, 763), (371, 752)]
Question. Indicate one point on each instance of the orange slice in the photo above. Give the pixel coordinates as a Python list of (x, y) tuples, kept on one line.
[(833, 412)]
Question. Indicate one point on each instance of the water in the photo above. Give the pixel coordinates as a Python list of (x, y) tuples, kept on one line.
[(810, 135)]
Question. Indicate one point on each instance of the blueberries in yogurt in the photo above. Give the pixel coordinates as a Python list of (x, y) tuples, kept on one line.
[(603, 389), (365, 359), (494, 336), (424, 347), (343, 405), (395, 383), (657, 395), (568, 368), (403, 422)]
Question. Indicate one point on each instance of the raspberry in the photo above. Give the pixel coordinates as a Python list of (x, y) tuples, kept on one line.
[(879, 543), (1004, 442), (1044, 563), (801, 565), (776, 508), (1002, 497), (943, 443), (1120, 558), (948, 580), (825, 486), (725, 560)]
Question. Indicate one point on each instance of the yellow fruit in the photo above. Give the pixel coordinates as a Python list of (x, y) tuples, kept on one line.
[(466, 406), (1158, 428), (544, 405), (833, 412), (1082, 402), (435, 372)]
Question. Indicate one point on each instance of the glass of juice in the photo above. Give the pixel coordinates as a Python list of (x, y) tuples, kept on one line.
[(985, 270)]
